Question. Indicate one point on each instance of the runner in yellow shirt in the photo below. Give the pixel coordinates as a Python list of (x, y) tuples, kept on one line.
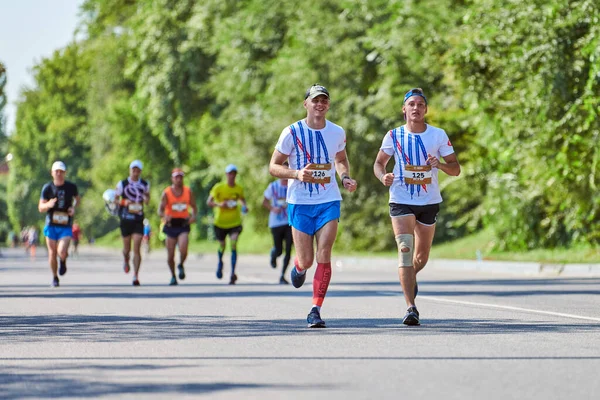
[(227, 198)]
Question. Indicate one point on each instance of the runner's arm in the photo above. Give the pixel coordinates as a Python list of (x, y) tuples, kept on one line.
[(46, 201), (163, 204), (74, 205), (266, 203), (342, 167), (451, 167), (119, 194), (212, 203), (379, 168), (44, 205), (278, 170), (341, 164)]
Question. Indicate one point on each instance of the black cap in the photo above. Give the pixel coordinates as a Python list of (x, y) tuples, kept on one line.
[(316, 90)]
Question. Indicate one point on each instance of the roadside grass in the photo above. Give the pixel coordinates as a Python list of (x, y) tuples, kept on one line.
[(469, 247)]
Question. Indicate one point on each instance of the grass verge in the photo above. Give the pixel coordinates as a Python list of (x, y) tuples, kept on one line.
[(467, 248)]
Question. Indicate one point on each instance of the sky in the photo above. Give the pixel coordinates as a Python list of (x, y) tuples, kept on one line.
[(31, 30)]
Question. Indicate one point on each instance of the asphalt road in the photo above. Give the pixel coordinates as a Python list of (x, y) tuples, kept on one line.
[(483, 336)]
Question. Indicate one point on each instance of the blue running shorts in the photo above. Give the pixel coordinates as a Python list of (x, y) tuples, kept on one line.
[(309, 218), (54, 232)]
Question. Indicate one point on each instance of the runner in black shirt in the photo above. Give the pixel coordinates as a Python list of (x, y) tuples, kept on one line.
[(58, 200)]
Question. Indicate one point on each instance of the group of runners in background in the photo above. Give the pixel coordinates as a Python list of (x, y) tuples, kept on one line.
[(304, 203)]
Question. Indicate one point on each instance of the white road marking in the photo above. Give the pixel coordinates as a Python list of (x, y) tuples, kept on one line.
[(530, 310)]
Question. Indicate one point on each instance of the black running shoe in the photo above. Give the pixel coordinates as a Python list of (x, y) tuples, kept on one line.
[(233, 279), (283, 281), (297, 279), (314, 319), (181, 271), (135, 282), (55, 282), (63, 267), (273, 263), (173, 281), (411, 317)]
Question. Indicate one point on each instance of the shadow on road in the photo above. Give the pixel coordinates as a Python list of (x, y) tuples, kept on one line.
[(82, 381), (110, 328)]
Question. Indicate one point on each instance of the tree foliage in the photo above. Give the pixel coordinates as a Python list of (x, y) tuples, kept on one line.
[(530, 74), (204, 84), (4, 224)]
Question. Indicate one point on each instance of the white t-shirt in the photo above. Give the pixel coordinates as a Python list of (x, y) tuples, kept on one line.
[(304, 145), (276, 193), (412, 149)]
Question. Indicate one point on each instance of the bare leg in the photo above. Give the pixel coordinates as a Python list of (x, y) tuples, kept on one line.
[(52, 254), (423, 240), (171, 243), (182, 241), (126, 251), (63, 248), (325, 239), (137, 253), (407, 275), (304, 248)]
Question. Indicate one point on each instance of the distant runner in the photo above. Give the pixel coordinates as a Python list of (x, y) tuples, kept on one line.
[(175, 204), (275, 201), (58, 200), (131, 194), (229, 202)]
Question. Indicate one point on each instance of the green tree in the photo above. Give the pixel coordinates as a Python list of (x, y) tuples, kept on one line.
[(51, 125), (4, 223), (530, 70)]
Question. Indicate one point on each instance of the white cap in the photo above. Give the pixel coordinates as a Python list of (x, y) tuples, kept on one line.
[(230, 168), (59, 165), (136, 164)]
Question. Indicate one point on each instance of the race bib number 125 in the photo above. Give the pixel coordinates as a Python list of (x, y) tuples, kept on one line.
[(417, 174)]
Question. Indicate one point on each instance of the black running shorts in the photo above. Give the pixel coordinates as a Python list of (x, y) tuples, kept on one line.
[(129, 227), (221, 233), (174, 231), (426, 215)]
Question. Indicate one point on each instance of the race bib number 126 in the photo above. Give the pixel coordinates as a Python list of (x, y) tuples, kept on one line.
[(321, 173)]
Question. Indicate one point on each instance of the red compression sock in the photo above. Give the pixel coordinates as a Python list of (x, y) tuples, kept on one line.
[(321, 282)]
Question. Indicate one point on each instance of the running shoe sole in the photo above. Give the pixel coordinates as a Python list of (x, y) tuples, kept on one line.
[(314, 319), (63, 268), (411, 319), (297, 279)]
